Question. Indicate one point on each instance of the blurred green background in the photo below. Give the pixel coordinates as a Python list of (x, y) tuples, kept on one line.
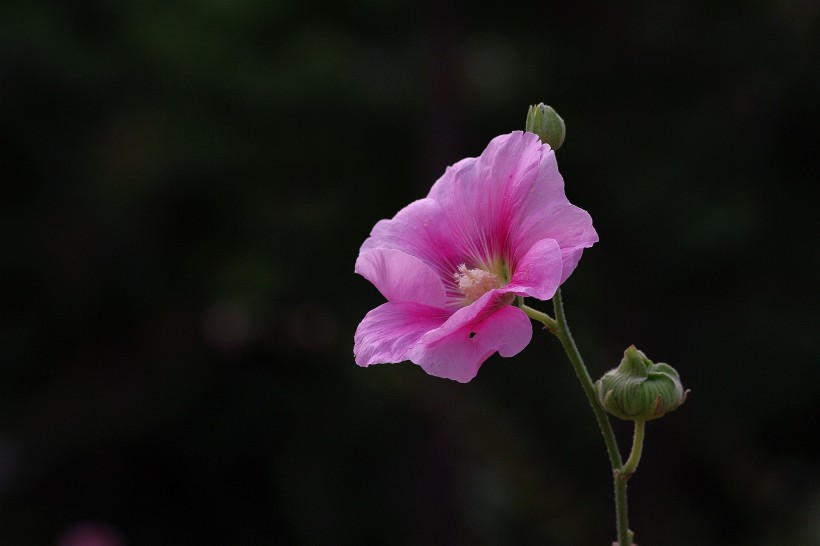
[(185, 189)]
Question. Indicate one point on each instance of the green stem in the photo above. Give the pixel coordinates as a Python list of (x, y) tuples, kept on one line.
[(621, 477), (621, 511), (565, 336), (631, 464), (560, 328), (541, 317)]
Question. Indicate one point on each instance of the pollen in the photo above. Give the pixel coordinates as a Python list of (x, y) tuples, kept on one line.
[(474, 283)]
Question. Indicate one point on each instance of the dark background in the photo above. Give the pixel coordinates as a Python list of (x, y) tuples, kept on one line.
[(185, 188)]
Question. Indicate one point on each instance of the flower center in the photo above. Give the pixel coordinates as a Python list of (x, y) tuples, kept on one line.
[(474, 283)]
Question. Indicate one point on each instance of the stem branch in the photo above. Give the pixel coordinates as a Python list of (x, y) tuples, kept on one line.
[(548, 322), (631, 464)]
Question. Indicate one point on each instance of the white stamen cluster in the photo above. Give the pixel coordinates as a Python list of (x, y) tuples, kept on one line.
[(474, 283)]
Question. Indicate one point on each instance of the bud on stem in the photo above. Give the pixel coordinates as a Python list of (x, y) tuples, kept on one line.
[(639, 389), (545, 122)]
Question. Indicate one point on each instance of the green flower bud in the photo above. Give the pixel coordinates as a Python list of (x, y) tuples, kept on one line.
[(547, 124), (638, 389)]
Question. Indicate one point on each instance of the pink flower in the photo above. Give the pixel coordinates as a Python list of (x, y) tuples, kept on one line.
[(450, 265)]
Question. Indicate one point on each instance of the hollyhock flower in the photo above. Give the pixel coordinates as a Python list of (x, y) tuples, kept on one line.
[(450, 265)]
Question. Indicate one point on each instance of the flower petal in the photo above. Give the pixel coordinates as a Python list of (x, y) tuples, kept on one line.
[(420, 230), (538, 274), (571, 258), (459, 348), (401, 277), (546, 213), (389, 332), (477, 195)]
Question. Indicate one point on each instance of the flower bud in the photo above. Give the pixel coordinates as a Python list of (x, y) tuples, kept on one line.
[(638, 389), (547, 124)]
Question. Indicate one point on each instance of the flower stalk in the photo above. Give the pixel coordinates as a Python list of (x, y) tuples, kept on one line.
[(631, 464), (565, 336), (621, 472), (539, 316), (621, 477)]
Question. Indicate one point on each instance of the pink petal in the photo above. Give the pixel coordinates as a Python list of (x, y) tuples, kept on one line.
[(474, 313), (546, 213), (571, 258), (478, 195), (401, 277), (389, 332), (420, 230), (459, 348), (538, 274)]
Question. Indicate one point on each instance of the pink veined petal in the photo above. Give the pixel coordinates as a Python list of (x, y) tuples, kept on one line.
[(571, 257), (420, 230), (460, 353), (473, 313), (478, 196), (388, 333), (545, 213), (538, 273), (401, 277)]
